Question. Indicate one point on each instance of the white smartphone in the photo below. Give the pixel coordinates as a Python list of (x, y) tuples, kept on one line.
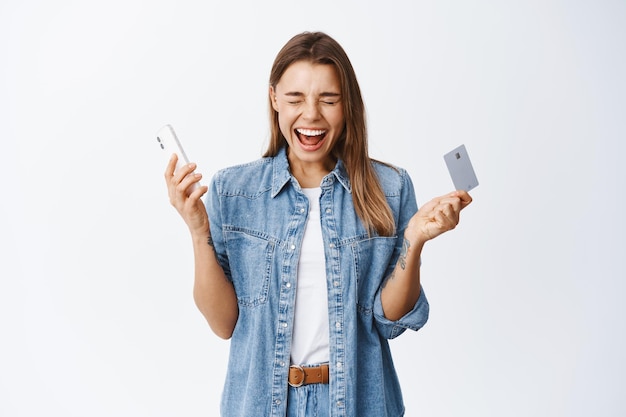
[(461, 170), (169, 143)]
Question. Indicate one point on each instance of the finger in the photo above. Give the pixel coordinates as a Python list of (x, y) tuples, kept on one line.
[(450, 207), (183, 172), (440, 223), (447, 209), (171, 166), (198, 193), (183, 188), (182, 179), (451, 213), (465, 198), (444, 199), (430, 206), (461, 197), (446, 220)]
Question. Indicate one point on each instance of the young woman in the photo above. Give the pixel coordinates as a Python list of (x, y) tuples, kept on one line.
[(309, 258)]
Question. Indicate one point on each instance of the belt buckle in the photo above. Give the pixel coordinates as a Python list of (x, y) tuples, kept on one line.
[(301, 369)]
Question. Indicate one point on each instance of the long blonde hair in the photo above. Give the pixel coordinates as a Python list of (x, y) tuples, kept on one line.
[(368, 197)]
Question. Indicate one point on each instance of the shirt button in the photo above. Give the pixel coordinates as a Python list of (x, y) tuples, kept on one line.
[(302, 210), (293, 247), (328, 211), (282, 363), (339, 404), (337, 325), (277, 402), (332, 245), (288, 285), (336, 283), (284, 324), (339, 365)]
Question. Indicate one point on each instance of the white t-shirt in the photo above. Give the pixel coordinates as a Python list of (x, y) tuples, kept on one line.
[(310, 341)]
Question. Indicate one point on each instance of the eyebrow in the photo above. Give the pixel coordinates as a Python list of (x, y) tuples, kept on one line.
[(299, 94)]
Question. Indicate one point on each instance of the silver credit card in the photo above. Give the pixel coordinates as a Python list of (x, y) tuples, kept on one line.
[(461, 169)]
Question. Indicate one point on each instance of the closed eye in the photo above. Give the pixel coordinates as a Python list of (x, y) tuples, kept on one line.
[(330, 98)]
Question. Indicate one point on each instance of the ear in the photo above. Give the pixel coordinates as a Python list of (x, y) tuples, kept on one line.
[(273, 98)]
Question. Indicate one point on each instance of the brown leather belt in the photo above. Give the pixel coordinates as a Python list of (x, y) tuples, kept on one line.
[(305, 375)]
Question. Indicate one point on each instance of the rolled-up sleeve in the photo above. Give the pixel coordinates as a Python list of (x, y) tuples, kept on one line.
[(414, 319)]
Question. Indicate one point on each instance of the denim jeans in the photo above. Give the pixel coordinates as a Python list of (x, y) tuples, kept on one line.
[(308, 401)]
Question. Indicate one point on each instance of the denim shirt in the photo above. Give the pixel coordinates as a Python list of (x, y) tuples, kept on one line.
[(257, 214)]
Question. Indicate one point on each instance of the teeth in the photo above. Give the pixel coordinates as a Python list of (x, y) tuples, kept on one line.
[(309, 132)]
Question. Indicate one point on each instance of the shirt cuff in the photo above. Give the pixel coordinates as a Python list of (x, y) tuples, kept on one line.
[(414, 319)]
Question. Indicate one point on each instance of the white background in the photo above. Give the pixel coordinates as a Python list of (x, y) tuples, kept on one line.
[(527, 311)]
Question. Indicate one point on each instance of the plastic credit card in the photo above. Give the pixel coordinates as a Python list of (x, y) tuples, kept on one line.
[(461, 170)]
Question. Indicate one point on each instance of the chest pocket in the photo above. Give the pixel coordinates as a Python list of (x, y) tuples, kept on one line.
[(250, 257), (372, 258)]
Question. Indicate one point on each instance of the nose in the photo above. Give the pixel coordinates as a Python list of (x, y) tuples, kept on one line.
[(311, 110)]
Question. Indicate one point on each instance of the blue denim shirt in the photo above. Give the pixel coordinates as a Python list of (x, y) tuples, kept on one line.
[(258, 213)]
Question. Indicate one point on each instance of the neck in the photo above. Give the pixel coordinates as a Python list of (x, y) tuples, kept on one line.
[(310, 174), (309, 177)]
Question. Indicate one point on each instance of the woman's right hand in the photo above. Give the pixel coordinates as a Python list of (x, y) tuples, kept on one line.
[(189, 205), (213, 293)]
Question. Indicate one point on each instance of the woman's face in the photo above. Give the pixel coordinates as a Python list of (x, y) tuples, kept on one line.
[(310, 113)]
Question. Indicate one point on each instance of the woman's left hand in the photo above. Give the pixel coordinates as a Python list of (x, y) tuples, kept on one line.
[(437, 216)]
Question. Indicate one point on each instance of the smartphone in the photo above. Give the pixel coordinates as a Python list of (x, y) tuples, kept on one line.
[(460, 168), (169, 143)]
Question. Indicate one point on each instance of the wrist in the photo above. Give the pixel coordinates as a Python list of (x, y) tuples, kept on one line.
[(416, 239), (200, 236)]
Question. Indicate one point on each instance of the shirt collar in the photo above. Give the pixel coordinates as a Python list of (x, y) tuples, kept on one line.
[(281, 174)]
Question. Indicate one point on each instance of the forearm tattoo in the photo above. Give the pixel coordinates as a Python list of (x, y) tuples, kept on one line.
[(405, 249), (401, 261), (212, 245)]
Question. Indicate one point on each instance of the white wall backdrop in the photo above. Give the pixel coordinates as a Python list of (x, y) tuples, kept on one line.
[(527, 311)]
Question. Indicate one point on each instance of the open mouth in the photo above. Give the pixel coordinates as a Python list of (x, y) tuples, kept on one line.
[(311, 139)]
